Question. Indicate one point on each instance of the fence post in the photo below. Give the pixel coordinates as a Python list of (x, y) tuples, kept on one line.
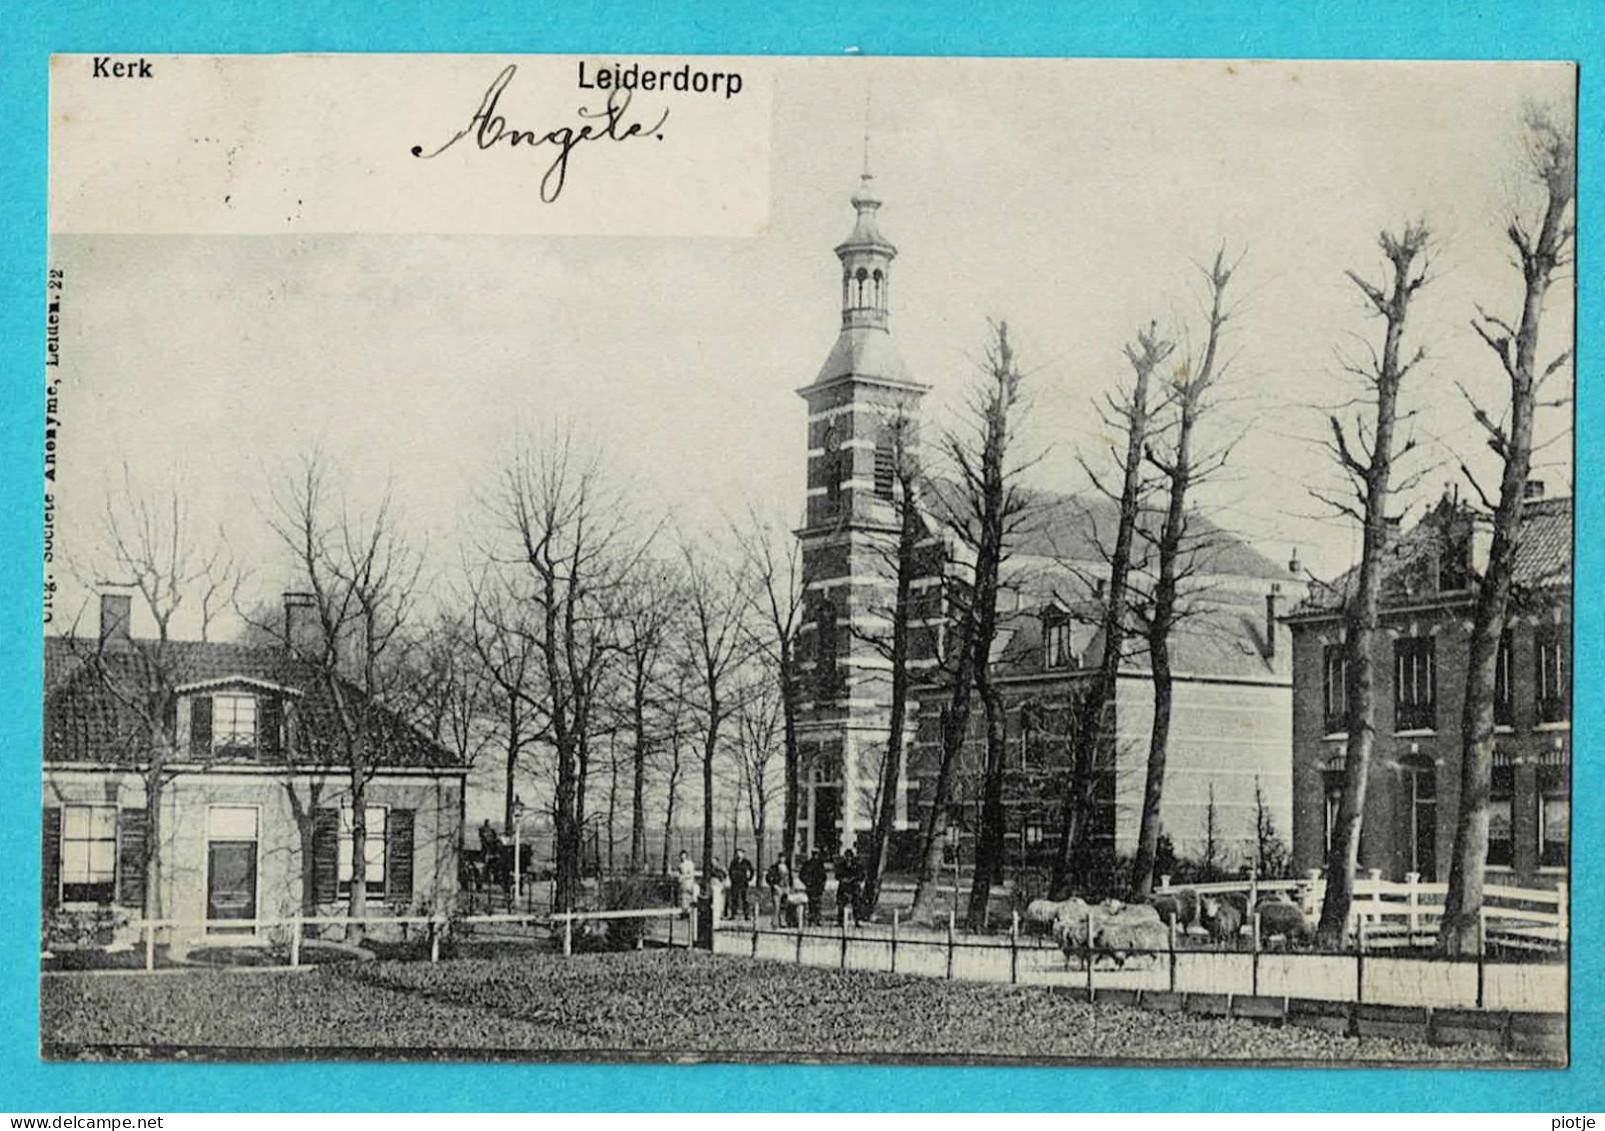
[(950, 945), (150, 944), (1482, 952), (1412, 881), (1086, 947), (844, 943), (799, 940), (1253, 969), (1359, 961), (568, 936), (1172, 951), (755, 935), (435, 929), (1014, 949), (295, 941), (1164, 882), (894, 939)]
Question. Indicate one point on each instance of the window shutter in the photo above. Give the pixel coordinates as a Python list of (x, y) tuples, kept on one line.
[(326, 855), (398, 855), (132, 829), (270, 725), (200, 725), (52, 858)]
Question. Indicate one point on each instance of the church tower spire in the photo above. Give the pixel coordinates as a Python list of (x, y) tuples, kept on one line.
[(863, 409)]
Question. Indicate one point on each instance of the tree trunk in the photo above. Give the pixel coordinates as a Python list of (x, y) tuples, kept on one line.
[(638, 789), (874, 862), (955, 727), (989, 844), (1142, 868), (1361, 612), (709, 744), (793, 758), (152, 849)]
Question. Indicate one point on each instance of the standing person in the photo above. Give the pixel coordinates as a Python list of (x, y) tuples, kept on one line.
[(490, 853), (849, 882), (778, 880), (718, 882), (687, 872), (813, 878), (741, 874)]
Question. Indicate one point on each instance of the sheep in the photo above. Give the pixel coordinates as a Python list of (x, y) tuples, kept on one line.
[(1221, 918), (1182, 906), (1046, 914), (1123, 932), (1279, 915)]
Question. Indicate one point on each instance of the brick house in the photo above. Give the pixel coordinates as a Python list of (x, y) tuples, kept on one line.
[(1230, 737), (255, 821), (1428, 598)]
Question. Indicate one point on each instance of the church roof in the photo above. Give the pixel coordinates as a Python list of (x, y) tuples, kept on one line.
[(864, 351)]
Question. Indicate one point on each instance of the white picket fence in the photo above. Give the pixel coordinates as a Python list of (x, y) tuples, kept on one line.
[(1386, 913)]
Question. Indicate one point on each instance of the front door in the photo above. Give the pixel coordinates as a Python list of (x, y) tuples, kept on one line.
[(231, 884), (827, 812), (1424, 823)]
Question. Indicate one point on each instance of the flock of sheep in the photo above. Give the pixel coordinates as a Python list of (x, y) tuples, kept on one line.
[(1122, 931)]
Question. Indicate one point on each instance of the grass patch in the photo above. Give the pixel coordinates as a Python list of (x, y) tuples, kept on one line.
[(654, 1004)]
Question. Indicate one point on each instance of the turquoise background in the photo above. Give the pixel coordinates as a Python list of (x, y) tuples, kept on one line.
[(1357, 28)]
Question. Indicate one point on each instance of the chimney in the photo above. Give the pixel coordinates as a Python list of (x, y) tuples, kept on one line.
[(116, 607), (1271, 600), (1533, 490), (301, 629), (1294, 566)]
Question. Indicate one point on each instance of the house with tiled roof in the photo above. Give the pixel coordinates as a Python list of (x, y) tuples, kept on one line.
[(253, 815), (1428, 598)]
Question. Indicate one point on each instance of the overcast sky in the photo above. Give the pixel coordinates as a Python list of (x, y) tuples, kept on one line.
[(1072, 199)]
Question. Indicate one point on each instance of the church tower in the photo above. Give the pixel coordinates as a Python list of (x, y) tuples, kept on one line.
[(861, 393)]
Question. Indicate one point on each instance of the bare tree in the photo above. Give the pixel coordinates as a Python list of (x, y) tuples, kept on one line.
[(362, 579), (1367, 454), (505, 646), (645, 630), (1182, 468), (759, 718), (716, 642), (567, 534), (773, 563), (149, 542), (1126, 415), (1553, 163), (986, 512), (902, 561)]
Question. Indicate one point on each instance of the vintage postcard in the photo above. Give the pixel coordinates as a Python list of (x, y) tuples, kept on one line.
[(795, 559)]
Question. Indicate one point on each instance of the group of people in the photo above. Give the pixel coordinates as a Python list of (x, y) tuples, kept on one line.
[(729, 888), (796, 895)]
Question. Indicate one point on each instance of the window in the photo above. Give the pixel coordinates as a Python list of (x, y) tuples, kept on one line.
[(1415, 692), (885, 469), (1030, 735), (1554, 817), (1033, 835), (88, 853), (1332, 780), (373, 850), (1553, 692), (1336, 685), (1501, 837), (825, 675), (1504, 712), (1056, 642), (233, 722)]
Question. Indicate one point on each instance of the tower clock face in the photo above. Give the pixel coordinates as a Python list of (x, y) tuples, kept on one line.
[(833, 440)]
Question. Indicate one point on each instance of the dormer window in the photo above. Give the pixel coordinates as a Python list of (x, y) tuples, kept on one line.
[(233, 722), (1056, 651), (233, 719)]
